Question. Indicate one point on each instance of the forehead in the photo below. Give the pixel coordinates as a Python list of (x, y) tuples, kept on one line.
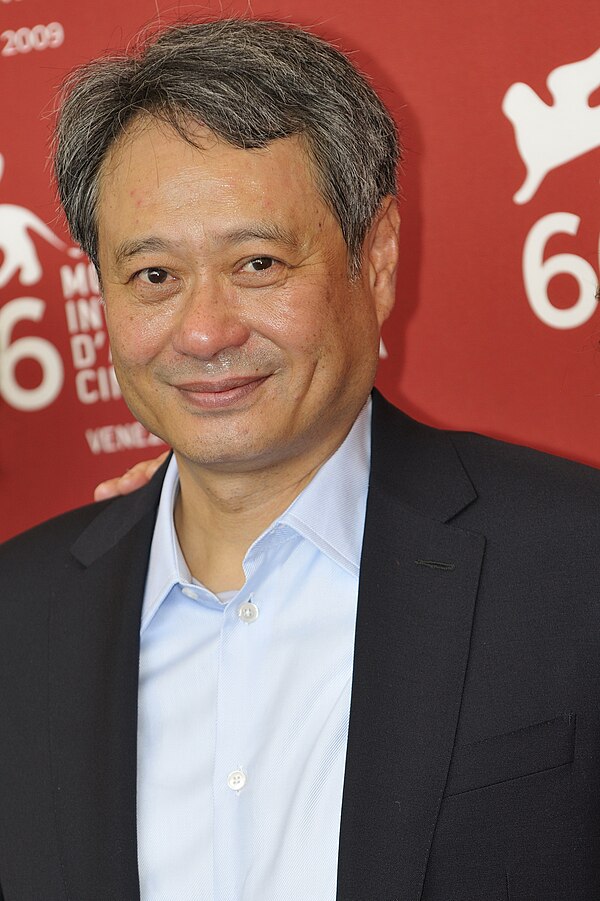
[(152, 167)]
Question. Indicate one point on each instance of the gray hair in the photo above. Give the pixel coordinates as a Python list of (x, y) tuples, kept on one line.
[(250, 82)]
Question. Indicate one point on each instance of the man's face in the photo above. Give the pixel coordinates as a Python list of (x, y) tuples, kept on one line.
[(236, 333)]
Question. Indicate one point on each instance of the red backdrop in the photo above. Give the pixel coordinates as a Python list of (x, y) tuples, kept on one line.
[(496, 327)]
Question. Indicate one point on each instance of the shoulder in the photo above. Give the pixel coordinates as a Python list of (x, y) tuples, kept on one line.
[(535, 509), (521, 472), (80, 533), (488, 461), (41, 561), (36, 565), (49, 537), (511, 487)]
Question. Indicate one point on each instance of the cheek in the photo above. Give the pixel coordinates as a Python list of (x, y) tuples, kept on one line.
[(305, 337), (301, 319), (135, 338)]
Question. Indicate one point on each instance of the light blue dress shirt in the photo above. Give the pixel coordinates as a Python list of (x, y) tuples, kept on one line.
[(244, 701)]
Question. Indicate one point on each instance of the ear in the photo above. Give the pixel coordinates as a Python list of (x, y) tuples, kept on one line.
[(381, 257)]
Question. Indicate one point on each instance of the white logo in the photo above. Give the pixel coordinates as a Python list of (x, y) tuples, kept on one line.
[(20, 255), (548, 136)]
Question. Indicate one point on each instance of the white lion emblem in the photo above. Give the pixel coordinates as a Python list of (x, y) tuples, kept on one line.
[(20, 256), (549, 135)]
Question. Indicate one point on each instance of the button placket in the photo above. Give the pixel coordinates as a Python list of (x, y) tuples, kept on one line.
[(236, 780), (234, 774), (248, 611)]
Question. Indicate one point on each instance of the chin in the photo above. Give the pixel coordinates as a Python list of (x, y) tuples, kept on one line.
[(218, 454)]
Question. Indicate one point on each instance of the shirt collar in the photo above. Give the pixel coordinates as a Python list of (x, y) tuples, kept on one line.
[(166, 566), (329, 512)]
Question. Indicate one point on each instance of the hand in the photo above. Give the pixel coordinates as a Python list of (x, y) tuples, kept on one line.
[(136, 477)]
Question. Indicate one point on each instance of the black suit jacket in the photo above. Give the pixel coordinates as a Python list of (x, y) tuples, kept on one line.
[(473, 761)]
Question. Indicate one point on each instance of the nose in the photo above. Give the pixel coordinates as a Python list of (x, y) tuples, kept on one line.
[(210, 322)]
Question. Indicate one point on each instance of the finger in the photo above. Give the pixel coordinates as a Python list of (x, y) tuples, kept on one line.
[(136, 477), (109, 488), (149, 467)]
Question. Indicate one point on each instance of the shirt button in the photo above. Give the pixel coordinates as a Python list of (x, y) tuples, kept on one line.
[(248, 612), (236, 780), (190, 593)]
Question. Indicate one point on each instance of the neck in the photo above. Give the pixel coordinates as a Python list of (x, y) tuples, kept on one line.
[(219, 515)]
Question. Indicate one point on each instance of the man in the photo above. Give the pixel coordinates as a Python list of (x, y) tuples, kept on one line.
[(327, 652)]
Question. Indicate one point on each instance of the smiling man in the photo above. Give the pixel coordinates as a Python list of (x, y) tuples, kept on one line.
[(237, 330), (327, 652)]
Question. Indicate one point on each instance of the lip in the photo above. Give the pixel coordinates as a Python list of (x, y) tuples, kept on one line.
[(221, 393)]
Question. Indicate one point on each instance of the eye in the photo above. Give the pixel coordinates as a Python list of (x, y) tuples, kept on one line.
[(153, 276), (259, 264)]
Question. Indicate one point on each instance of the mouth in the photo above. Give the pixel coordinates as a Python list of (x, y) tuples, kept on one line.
[(220, 393)]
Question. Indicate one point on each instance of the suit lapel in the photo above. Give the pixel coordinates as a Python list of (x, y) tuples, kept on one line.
[(93, 679), (418, 585)]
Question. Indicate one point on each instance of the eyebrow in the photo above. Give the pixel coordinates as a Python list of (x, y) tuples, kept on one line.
[(262, 231), (128, 249)]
